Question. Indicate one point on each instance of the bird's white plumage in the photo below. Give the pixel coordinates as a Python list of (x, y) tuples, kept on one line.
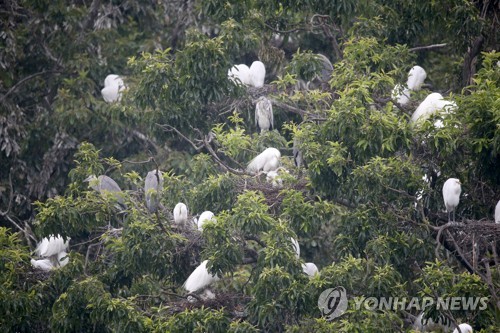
[(51, 246), (497, 212), (266, 161), (113, 86), (153, 186), (416, 78), (451, 195), (257, 74), (200, 278), (431, 104), (264, 117), (464, 328), (204, 217), (62, 258), (180, 213), (240, 72), (43, 264), (296, 247), (310, 269), (401, 94)]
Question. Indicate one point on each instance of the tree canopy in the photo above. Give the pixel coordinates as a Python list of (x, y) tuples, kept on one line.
[(365, 201)]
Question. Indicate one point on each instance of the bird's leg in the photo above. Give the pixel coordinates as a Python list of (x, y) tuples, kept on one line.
[(449, 217), (453, 215)]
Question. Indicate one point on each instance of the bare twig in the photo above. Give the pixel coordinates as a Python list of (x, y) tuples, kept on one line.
[(27, 78), (428, 47)]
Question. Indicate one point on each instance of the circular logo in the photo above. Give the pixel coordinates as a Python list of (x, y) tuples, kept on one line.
[(333, 302)]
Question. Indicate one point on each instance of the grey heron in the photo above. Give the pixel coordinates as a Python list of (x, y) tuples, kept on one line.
[(153, 187), (264, 117)]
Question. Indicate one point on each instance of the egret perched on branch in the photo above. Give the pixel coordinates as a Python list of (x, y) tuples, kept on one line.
[(310, 269), (205, 217), (113, 86), (264, 118), (240, 72), (451, 195), (416, 78), (105, 184), (464, 328), (432, 103), (180, 213), (152, 189), (497, 212), (266, 161), (200, 278), (257, 74)]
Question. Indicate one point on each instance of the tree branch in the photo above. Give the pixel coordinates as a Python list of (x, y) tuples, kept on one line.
[(428, 47)]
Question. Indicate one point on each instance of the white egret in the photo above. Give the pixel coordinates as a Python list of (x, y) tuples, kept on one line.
[(257, 74), (200, 278), (497, 212), (416, 78), (296, 247), (205, 217), (268, 160), (451, 195), (310, 269), (104, 184), (464, 328), (430, 105), (51, 246), (43, 264), (180, 213), (264, 117), (152, 189), (240, 72), (113, 86)]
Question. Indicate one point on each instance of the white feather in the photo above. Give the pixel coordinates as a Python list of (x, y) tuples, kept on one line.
[(264, 117), (401, 94), (43, 264), (113, 86), (451, 194), (310, 269), (51, 246), (204, 217), (497, 212), (240, 72), (464, 328), (296, 247), (431, 104), (62, 258), (180, 213), (200, 278), (416, 78), (257, 74), (266, 161)]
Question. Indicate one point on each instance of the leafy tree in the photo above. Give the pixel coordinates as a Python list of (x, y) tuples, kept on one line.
[(366, 206)]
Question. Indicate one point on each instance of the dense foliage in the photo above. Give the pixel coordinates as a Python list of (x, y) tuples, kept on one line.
[(366, 205)]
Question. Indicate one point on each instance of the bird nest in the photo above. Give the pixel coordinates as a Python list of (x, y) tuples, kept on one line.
[(476, 244)]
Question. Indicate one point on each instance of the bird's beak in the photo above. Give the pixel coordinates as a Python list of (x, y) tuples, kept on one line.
[(87, 179)]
